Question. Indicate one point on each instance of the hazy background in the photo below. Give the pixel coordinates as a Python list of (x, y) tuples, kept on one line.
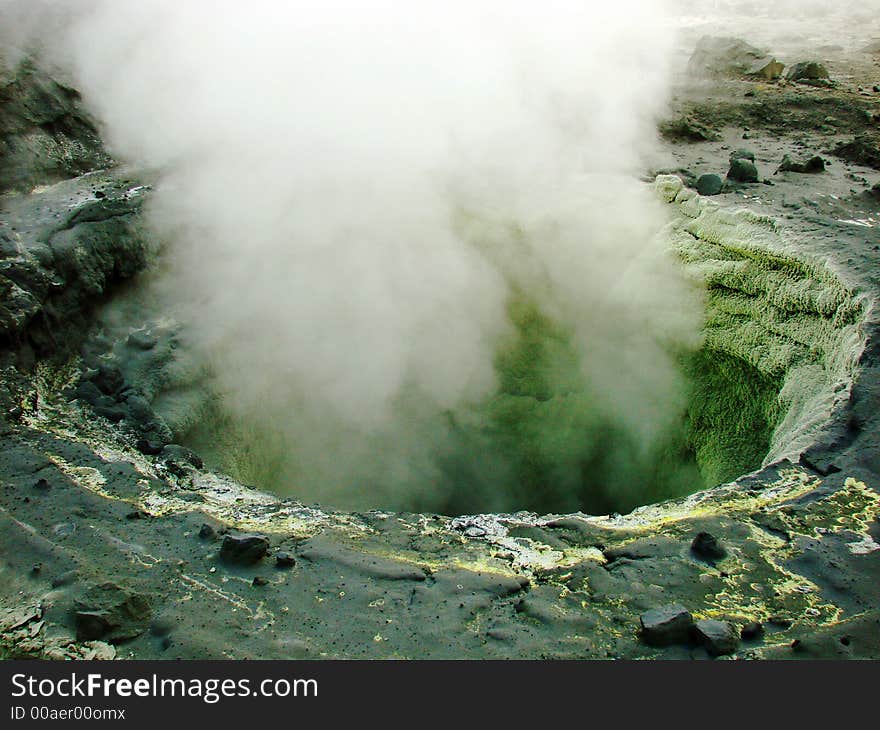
[(382, 215)]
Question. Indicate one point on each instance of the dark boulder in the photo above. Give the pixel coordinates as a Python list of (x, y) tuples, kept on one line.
[(861, 150), (742, 170), (807, 71), (706, 546), (718, 637), (812, 166), (709, 184), (243, 549), (666, 625)]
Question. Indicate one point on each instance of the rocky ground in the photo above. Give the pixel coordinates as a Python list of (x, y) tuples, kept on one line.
[(116, 542)]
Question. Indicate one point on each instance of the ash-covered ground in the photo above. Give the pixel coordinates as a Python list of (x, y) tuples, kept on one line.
[(118, 541)]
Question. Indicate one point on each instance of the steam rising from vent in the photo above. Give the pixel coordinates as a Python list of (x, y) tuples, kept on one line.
[(407, 239)]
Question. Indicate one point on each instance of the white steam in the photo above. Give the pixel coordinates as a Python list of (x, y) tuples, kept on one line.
[(354, 190)]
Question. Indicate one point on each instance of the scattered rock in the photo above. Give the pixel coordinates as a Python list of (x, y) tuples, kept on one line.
[(243, 549), (752, 630), (706, 546), (812, 166), (742, 170), (725, 56), (807, 71), (285, 560), (718, 637), (709, 184), (861, 150), (666, 625), (767, 68), (259, 580)]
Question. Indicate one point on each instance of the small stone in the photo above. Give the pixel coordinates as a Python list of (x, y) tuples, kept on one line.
[(742, 170), (666, 625), (719, 637), (709, 184), (707, 546), (206, 532), (285, 560), (42, 485), (243, 549), (752, 630), (259, 580)]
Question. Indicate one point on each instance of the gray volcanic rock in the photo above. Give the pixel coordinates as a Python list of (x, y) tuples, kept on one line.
[(863, 149), (61, 249), (706, 545), (243, 549), (709, 184), (666, 625), (725, 56), (742, 170), (812, 166), (807, 71), (45, 134), (718, 637)]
